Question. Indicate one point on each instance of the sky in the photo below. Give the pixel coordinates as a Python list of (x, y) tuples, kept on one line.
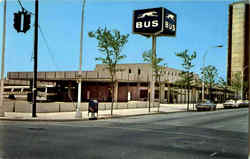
[(201, 25)]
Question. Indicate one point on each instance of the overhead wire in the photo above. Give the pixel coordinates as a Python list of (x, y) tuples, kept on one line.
[(47, 46)]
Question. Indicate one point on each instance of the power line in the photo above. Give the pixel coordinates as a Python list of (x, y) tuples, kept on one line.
[(19, 2), (47, 45)]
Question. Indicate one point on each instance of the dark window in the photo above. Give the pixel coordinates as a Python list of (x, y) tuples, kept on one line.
[(144, 84), (139, 71), (143, 93), (132, 84), (157, 94), (129, 71), (166, 95)]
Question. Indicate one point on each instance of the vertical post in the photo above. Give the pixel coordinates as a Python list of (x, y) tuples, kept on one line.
[(248, 111), (34, 90), (188, 91), (152, 83), (3, 57), (78, 113)]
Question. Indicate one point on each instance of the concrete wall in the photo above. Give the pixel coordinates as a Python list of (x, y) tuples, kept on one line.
[(26, 107)]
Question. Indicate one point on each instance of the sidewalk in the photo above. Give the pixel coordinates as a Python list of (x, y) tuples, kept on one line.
[(104, 114)]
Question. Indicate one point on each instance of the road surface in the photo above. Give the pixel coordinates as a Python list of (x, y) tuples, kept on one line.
[(218, 134)]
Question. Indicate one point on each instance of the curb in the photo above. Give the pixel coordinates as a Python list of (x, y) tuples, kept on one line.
[(83, 119)]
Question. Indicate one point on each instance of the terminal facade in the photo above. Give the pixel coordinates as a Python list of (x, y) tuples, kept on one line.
[(132, 84)]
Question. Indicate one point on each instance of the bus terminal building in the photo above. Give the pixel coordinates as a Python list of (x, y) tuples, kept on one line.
[(132, 84)]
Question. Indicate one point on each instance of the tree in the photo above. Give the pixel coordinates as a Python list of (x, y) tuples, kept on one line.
[(238, 85), (210, 74), (222, 83), (110, 44), (186, 76), (158, 69)]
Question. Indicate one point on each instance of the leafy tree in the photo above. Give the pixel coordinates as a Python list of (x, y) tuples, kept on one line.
[(237, 84), (210, 74), (186, 76), (110, 44), (158, 69), (222, 83)]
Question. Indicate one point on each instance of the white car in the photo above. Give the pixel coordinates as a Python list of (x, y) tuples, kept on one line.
[(229, 104), (241, 103)]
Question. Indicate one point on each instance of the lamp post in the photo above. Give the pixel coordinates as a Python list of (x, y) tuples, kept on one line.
[(203, 66), (78, 112), (3, 57)]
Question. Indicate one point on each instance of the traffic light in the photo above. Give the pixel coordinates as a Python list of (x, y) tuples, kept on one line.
[(22, 21), (26, 23), (17, 21)]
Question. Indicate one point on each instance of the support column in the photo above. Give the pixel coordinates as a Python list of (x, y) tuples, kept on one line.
[(116, 92), (162, 92), (138, 91), (169, 91)]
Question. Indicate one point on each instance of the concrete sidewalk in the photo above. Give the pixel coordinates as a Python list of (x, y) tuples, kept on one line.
[(104, 114)]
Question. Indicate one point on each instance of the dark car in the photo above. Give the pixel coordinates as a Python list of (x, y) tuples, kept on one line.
[(206, 105)]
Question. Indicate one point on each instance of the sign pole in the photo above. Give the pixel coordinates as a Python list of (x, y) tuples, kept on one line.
[(3, 57), (34, 89), (152, 83)]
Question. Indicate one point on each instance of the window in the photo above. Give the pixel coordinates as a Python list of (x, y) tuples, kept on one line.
[(139, 71), (129, 71)]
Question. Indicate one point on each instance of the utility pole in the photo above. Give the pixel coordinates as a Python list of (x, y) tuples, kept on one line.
[(78, 113), (34, 89), (3, 57)]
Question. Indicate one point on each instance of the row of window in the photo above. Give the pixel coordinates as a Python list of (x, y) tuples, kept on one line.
[(168, 73)]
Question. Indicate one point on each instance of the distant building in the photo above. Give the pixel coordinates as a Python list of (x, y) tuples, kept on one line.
[(238, 40)]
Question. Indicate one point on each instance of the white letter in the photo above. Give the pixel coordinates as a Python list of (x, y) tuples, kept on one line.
[(155, 23), (138, 25), (166, 24), (147, 24), (173, 27)]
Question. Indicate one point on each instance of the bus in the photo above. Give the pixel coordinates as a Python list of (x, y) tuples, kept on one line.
[(45, 93), (16, 92)]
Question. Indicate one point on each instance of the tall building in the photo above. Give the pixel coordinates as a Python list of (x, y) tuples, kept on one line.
[(238, 41)]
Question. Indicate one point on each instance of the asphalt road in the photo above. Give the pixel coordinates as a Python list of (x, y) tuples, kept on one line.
[(218, 134)]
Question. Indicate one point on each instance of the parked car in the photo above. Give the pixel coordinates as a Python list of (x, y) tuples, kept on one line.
[(206, 105), (242, 103), (229, 104)]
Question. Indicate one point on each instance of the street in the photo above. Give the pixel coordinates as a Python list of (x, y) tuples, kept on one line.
[(220, 134)]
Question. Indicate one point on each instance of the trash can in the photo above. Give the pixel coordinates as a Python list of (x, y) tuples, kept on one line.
[(93, 109)]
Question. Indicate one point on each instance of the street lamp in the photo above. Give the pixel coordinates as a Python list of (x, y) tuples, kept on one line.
[(78, 112), (203, 66), (2, 65)]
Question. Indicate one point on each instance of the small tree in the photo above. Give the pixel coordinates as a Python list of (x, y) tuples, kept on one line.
[(158, 69), (110, 44), (222, 83), (210, 74), (186, 76), (237, 83)]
